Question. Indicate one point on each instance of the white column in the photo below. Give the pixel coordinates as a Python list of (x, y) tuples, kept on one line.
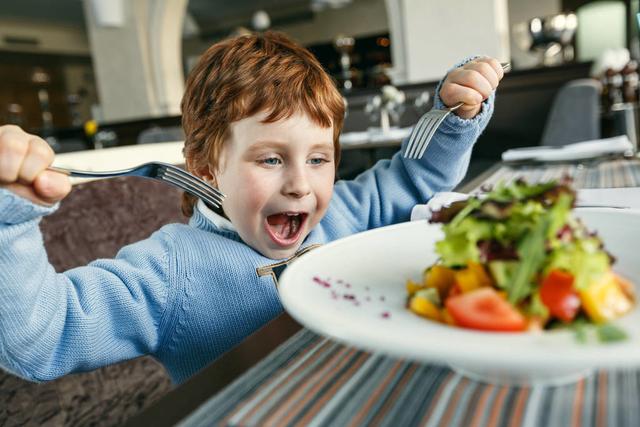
[(429, 36), (165, 48), (397, 35), (136, 52)]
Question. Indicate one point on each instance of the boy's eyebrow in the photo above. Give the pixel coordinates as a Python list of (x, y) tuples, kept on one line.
[(259, 145)]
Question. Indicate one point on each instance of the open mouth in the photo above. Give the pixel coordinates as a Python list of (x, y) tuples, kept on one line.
[(285, 228)]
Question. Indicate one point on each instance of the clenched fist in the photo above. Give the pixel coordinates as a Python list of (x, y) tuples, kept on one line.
[(471, 84), (24, 159)]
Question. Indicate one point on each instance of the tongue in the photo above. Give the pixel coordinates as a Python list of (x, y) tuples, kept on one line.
[(284, 225)]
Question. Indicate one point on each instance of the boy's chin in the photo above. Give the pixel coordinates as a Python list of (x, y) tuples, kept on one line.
[(281, 253)]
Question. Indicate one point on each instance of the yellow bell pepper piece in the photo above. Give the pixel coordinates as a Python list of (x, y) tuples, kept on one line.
[(413, 287), (472, 277), (604, 300), (425, 308), (440, 278)]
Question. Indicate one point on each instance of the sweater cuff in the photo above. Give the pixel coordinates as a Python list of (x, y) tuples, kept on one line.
[(15, 209), (452, 122)]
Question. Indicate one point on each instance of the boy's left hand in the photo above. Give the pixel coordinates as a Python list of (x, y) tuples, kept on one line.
[(471, 84)]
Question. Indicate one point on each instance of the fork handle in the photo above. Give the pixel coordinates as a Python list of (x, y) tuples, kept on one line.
[(506, 66), (86, 174)]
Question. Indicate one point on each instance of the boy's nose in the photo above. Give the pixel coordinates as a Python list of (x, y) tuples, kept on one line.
[(296, 184)]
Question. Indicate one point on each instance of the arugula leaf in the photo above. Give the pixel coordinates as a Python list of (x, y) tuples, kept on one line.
[(531, 251), (610, 333), (472, 204), (532, 248)]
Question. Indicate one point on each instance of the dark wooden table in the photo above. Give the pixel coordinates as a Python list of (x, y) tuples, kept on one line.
[(184, 399)]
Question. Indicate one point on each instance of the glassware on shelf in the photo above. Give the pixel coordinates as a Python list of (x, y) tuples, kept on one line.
[(344, 46), (387, 107), (15, 114), (421, 102), (550, 36)]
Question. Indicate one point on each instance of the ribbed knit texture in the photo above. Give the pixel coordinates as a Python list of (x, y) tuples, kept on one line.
[(189, 292)]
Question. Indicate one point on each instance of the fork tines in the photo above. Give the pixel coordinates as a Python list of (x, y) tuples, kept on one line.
[(191, 184), (423, 132), (428, 124)]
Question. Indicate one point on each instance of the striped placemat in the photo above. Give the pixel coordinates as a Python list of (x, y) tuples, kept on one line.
[(597, 174), (312, 381)]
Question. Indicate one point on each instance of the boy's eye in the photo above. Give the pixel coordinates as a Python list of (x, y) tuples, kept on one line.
[(271, 161), (318, 161)]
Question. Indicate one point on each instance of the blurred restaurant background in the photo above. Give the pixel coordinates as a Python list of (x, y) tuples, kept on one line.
[(96, 74), (102, 80)]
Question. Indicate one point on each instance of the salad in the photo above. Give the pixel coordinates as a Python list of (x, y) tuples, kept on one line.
[(516, 259)]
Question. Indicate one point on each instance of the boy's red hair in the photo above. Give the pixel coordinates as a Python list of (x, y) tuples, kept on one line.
[(242, 76)]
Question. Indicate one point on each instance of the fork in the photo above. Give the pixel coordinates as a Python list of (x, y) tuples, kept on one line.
[(427, 126), (161, 171)]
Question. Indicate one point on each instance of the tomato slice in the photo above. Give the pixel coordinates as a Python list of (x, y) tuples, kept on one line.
[(559, 295), (454, 290), (484, 309)]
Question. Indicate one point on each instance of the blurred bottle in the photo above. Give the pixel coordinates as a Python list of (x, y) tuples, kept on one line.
[(73, 99), (612, 89), (45, 112), (344, 45), (630, 82)]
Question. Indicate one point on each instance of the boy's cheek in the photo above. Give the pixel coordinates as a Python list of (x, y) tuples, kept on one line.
[(254, 193), (324, 201)]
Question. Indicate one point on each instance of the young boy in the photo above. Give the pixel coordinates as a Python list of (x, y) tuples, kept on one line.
[(262, 121)]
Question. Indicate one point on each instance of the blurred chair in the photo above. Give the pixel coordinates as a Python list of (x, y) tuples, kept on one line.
[(575, 113), (95, 221), (161, 134)]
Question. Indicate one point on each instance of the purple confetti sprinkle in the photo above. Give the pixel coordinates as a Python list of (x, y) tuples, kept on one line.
[(321, 282)]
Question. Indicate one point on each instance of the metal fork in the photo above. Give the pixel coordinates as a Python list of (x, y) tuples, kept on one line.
[(163, 172), (427, 125)]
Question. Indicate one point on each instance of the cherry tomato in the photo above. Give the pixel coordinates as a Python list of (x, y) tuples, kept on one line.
[(484, 309), (559, 295)]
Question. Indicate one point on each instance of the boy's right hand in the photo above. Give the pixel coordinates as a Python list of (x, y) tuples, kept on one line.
[(24, 159)]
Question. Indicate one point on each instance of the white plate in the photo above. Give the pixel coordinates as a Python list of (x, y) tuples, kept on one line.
[(353, 290)]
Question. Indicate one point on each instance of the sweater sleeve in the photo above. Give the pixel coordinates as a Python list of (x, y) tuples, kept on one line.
[(386, 193), (53, 323)]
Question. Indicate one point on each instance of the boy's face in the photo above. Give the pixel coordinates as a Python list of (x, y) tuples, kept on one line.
[(278, 178)]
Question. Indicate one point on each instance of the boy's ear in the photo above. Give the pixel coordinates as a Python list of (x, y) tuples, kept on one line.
[(201, 171)]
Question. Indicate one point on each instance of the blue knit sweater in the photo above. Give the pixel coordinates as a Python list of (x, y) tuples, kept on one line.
[(189, 292)]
